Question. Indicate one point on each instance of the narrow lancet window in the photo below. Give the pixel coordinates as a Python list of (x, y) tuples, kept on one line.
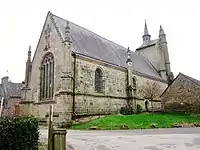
[(98, 80)]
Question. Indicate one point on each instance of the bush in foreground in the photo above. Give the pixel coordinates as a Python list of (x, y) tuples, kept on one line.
[(19, 133), (127, 110), (139, 109)]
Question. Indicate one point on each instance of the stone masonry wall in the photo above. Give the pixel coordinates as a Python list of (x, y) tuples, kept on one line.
[(153, 54), (55, 48), (114, 94), (182, 95), (9, 108), (62, 102)]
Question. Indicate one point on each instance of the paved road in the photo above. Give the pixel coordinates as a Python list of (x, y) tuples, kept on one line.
[(156, 139)]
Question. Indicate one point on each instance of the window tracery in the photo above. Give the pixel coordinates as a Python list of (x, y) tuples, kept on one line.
[(47, 77)]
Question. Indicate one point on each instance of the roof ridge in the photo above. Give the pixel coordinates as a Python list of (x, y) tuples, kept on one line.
[(57, 29), (90, 31), (191, 78)]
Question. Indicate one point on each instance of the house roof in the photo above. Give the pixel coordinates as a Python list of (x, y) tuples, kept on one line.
[(185, 76), (89, 44), (13, 89), (191, 79)]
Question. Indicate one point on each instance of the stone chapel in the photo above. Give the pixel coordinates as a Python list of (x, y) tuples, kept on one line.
[(82, 73)]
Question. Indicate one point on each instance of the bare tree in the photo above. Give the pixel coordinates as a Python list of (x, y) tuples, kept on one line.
[(150, 90)]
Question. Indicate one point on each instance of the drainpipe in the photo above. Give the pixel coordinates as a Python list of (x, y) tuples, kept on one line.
[(73, 93)]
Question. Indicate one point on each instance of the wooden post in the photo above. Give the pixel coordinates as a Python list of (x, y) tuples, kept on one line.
[(50, 134), (59, 139)]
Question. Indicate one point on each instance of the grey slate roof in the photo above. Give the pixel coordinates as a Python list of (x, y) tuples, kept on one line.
[(90, 44), (151, 43), (13, 89)]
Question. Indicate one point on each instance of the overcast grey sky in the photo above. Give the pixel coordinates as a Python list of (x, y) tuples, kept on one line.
[(121, 21)]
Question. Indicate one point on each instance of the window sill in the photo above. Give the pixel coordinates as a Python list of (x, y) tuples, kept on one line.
[(46, 101), (99, 93)]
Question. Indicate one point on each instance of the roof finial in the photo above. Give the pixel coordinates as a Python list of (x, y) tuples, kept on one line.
[(128, 55), (67, 32), (29, 53)]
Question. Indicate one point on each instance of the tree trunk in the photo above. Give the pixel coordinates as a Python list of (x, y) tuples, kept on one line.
[(152, 106)]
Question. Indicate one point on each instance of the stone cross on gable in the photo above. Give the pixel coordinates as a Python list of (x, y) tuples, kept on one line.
[(47, 37)]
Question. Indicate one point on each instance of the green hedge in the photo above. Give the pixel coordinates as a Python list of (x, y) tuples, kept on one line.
[(127, 110), (19, 133), (139, 109)]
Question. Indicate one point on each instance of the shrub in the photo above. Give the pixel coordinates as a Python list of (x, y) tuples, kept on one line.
[(139, 108), (66, 125), (127, 110), (19, 133)]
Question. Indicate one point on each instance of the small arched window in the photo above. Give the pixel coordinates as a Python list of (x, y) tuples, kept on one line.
[(47, 77), (134, 83), (98, 80)]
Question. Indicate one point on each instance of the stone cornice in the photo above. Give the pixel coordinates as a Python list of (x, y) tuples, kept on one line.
[(26, 102), (46, 102)]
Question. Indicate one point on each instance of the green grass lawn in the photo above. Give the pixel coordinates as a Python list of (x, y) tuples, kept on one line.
[(140, 121)]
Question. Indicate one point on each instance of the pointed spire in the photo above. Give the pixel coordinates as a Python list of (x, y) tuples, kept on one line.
[(146, 37), (145, 29), (161, 32), (28, 67), (162, 36), (67, 32), (128, 56), (29, 54)]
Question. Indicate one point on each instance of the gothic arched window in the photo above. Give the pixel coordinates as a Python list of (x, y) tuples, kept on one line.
[(98, 80), (47, 77)]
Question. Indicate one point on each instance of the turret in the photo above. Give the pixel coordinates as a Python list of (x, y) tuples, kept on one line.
[(165, 54), (66, 67), (146, 37), (162, 36), (28, 68), (130, 91), (129, 67)]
